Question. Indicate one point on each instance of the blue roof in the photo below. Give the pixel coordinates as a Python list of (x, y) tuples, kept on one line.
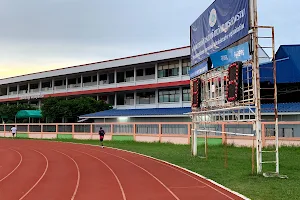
[(282, 107), (287, 66), (139, 112), (266, 108)]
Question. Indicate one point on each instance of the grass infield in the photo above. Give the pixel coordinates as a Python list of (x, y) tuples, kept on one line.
[(237, 176)]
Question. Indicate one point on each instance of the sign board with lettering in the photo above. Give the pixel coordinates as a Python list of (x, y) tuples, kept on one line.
[(221, 24), (198, 70), (228, 56), (28, 97)]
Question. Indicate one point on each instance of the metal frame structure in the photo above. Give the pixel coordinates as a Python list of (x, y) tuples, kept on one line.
[(214, 108)]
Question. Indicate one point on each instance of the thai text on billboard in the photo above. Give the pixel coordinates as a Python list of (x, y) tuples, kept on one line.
[(222, 23)]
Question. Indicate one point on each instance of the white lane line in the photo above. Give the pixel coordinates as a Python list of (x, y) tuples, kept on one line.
[(47, 164), (157, 179), (184, 170), (78, 174), (118, 180), (21, 159)]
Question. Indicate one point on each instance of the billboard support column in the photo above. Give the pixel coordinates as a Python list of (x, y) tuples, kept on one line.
[(256, 81)]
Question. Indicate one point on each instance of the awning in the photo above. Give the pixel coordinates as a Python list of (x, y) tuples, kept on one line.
[(150, 112), (29, 114)]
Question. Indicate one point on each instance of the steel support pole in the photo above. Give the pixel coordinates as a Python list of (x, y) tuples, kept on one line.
[(195, 140), (275, 102), (256, 81)]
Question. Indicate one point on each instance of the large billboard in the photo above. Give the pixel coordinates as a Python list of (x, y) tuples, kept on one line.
[(221, 24)]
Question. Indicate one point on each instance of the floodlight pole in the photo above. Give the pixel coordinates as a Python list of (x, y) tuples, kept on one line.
[(256, 81)]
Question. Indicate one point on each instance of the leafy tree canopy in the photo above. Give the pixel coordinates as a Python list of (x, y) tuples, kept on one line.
[(55, 109)]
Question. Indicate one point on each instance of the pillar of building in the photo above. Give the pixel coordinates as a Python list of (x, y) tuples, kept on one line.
[(156, 71), (180, 67)]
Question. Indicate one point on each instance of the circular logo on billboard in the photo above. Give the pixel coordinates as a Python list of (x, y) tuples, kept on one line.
[(213, 17)]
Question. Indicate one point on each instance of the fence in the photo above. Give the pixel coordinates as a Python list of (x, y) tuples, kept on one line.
[(173, 132)]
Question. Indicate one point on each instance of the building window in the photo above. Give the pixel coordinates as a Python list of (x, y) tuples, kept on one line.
[(111, 99), (150, 71), (129, 73), (87, 79), (168, 69), (111, 78), (94, 78), (169, 96), (120, 77), (103, 77), (120, 98), (72, 81), (129, 99), (106, 78), (140, 72), (60, 82), (145, 97), (47, 84), (186, 66), (125, 76), (186, 94), (13, 88)]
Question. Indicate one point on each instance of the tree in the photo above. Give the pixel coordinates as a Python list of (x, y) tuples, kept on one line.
[(56, 109), (49, 109), (8, 112)]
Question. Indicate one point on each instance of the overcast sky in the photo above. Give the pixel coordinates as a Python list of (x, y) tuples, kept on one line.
[(38, 35)]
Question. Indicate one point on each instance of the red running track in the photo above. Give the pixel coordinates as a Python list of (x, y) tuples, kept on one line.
[(36, 170)]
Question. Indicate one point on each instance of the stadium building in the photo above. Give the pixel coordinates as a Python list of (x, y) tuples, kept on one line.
[(155, 80), (147, 87)]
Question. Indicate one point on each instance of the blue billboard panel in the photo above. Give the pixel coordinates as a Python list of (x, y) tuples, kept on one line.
[(222, 23), (228, 56), (198, 70)]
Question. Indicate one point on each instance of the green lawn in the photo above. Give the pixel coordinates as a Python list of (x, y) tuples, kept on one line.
[(238, 174)]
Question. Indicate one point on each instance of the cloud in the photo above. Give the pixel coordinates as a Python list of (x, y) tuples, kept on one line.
[(59, 33)]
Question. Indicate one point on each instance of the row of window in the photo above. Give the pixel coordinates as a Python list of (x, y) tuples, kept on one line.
[(165, 96), (165, 69), (174, 95), (171, 68)]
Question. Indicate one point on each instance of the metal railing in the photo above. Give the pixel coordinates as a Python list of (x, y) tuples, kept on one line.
[(289, 132)]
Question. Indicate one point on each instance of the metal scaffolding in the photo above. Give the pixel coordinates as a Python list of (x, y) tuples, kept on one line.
[(215, 108)]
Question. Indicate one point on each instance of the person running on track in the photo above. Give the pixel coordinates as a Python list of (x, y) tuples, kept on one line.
[(14, 131), (101, 133)]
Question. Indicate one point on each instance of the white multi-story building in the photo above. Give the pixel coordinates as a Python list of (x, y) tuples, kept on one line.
[(153, 80), (157, 80)]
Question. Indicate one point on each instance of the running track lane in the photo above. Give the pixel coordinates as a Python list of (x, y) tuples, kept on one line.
[(54, 170)]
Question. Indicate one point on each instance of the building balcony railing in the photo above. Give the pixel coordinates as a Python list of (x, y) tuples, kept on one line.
[(147, 77), (46, 89), (129, 102), (36, 90), (103, 82), (90, 84), (61, 87), (129, 79), (145, 100), (13, 93), (74, 85), (23, 92)]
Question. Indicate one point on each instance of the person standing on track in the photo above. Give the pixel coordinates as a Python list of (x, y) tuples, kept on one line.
[(13, 131), (101, 133)]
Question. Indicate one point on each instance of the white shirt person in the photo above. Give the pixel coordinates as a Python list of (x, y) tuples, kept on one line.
[(13, 130)]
